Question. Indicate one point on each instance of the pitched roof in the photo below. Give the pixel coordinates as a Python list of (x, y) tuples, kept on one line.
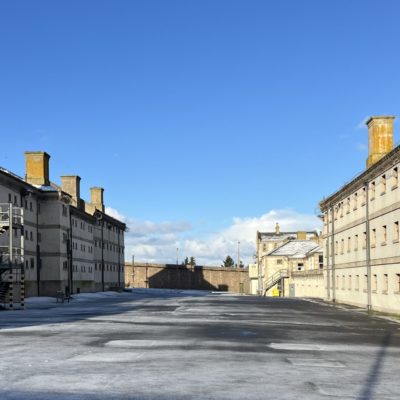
[(296, 249)]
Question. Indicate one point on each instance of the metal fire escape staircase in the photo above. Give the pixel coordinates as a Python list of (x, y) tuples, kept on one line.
[(11, 253), (274, 279)]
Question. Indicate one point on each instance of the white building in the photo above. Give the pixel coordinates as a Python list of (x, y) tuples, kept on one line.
[(361, 229)]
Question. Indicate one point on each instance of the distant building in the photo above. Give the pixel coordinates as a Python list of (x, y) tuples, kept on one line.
[(55, 241), (361, 228), (279, 254)]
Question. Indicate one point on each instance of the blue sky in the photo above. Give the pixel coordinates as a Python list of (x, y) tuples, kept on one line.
[(203, 120)]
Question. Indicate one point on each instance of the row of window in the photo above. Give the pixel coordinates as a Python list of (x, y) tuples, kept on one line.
[(349, 282), (83, 225), (108, 246), (373, 239), (353, 202), (84, 268), (24, 203)]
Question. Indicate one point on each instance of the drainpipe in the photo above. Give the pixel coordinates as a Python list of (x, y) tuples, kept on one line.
[(328, 278), (102, 255), (70, 255), (333, 257), (38, 262), (119, 261), (368, 249)]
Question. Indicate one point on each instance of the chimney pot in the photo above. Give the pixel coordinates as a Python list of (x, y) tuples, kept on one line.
[(380, 138), (96, 198), (37, 168)]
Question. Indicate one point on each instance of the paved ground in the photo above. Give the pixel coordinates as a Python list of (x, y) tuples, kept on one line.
[(172, 345)]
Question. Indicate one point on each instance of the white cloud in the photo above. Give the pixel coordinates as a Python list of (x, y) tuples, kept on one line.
[(157, 242), (362, 124), (361, 147)]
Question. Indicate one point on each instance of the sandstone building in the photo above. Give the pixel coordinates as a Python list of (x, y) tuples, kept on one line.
[(361, 228), (288, 264), (55, 241)]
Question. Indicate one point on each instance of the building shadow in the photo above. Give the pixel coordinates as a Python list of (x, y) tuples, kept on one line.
[(184, 277), (374, 374)]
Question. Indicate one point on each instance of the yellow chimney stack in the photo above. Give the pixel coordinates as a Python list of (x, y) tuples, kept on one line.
[(37, 168), (301, 235), (71, 184), (96, 198), (380, 138)]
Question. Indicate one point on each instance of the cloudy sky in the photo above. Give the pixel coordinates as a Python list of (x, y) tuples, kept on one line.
[(204, 120)]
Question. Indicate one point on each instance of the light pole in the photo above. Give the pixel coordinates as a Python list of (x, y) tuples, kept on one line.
[(133, 270), (177, 256)]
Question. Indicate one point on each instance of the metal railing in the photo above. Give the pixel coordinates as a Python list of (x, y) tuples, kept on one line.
[(274, 279)]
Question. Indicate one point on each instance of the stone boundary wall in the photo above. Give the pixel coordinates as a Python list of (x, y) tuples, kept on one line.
[(171, 276)]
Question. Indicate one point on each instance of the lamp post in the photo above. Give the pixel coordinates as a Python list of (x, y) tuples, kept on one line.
[(133, 270), (177, 256)]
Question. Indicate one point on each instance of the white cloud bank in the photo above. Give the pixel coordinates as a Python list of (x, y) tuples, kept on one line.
[(157, 242)]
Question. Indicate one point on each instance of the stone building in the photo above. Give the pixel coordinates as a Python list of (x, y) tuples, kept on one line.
[(55, 241), (271, 272), (361, 228)]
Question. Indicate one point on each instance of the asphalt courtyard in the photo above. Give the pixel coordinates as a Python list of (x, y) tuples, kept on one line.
[(175, 345)]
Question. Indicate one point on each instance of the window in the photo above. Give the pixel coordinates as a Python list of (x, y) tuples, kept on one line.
[(336, 247), (32, 263), (384, 235), (364, 240), (373, 238), (364, 196), (373, 190), (385, 283), (365, 283), (348, 244), (39, 237), (355, 201), (349, 283), (348, 205), (342, 246), (398, 283), (64, 210), (356, 243), (65, 265), (15, 200), (341, 209), (9, 198), (383, 184), (374, 283), (300, 266), (343, 282), (279, 261), (321, 261), (357, 282), (30, 206), (30, 235), (396, 232), (64, 237), (395, 177), (26, 204)]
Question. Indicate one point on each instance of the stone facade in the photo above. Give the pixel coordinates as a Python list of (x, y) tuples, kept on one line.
[(361, 229), (169, 276), (69, 245)]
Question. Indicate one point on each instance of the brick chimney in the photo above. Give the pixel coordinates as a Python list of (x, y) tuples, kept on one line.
[(380, 138), (37, 168), (71, 184), (277, 229), (96, 198), (301, 235)]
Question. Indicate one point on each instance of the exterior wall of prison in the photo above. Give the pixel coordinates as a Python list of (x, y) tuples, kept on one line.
[(169, 276)]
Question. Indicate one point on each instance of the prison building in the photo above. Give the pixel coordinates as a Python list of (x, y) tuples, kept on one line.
[(51, 239), (361, 228)]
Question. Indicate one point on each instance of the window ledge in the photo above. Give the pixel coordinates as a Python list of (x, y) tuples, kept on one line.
[(373, 291), (373, 246), (365, 290), (395, 241), (348, 212), (354, 208), (394, 187), (398, 293), (383, 244), (382, 193), (357, 290), (364, 247), (363, 204), (372, 198), (384, 292)]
